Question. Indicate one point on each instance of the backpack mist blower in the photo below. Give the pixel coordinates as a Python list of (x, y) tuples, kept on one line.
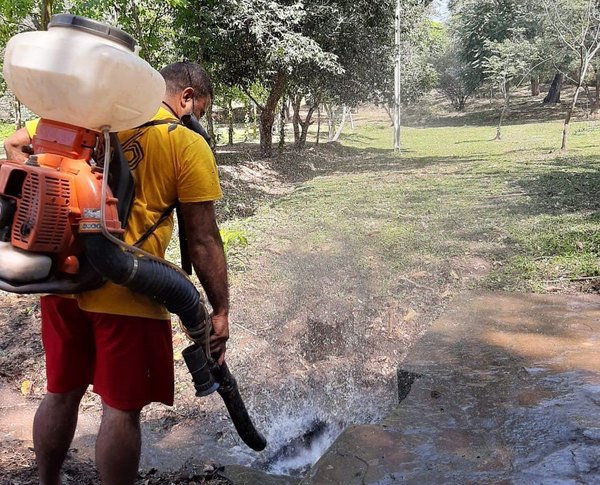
[(62, 214)]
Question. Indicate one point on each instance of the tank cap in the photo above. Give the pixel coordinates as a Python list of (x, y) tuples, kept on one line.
[(81, 23)]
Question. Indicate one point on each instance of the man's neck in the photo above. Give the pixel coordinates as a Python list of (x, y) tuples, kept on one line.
[(170, 108)]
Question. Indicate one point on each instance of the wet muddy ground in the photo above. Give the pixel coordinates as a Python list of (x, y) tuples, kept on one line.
[(505, 389)]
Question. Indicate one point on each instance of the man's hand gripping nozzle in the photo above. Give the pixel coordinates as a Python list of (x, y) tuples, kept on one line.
[(208, 377)]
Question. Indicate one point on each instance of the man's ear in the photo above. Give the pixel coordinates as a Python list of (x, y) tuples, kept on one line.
[(186, 95)]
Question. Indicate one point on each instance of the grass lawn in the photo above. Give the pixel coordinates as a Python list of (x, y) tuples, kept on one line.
[(6, 129), (521, 203)]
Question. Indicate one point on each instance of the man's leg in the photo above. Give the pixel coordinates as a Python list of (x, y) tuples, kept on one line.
[(53, 429), (134, 366), (118, 446)]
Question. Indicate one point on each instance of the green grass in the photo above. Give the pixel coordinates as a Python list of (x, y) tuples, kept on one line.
[(5, 130), (520, 203), (529, 208), (453, 193)]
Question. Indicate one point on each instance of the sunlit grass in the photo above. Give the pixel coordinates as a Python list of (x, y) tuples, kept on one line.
[(521, 203)]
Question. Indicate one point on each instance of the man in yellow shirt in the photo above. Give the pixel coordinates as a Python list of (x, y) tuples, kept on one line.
[(118, 340)]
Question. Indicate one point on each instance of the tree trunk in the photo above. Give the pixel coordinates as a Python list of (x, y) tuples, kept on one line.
[(571, 109), (565, 134), (296, 101), (288, 104), (246, 121), (342, 123), (389, 113), (306, 124), (535, 85), (596, 101), (553, 95), (18, 115), (254, 121), (503, 114), (46, 13), (230, 122), (330, 121), (282, 124), (584, 64), (318, 124), (267, 114)]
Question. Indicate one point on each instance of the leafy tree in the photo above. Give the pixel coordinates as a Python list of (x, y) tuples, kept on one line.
[(20, 16), (420, 46), (479, 24), (15, 17), (576, 25), (509, 64), (148, 21), (249, 41), (359, 34), (453, 75)]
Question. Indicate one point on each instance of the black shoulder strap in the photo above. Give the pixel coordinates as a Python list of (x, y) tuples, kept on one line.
[(120, 180), (167, 121), (186, 263), (186, 120)]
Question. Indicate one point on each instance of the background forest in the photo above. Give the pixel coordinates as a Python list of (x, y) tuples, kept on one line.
[(292, 60)]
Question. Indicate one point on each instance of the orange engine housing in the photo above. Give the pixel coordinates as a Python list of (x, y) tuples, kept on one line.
[(54, 191)]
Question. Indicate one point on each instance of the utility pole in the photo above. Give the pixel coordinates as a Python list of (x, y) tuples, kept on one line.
[(397, 81)]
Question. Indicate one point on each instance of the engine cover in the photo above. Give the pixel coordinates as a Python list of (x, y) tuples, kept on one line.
[(52, 192)]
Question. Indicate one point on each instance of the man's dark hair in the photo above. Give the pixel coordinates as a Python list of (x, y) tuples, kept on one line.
[(180, 75)]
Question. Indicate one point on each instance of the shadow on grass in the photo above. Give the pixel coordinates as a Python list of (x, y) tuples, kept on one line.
[(567, 187), (524, 112), (293, 167), (297, 166)]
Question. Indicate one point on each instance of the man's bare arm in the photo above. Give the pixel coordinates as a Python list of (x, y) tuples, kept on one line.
[(14, 144), (208, 258)]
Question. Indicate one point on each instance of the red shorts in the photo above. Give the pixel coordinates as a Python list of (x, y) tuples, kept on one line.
[(129, 360)]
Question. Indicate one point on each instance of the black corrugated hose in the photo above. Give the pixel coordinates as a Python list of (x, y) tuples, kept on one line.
[(176, 292)]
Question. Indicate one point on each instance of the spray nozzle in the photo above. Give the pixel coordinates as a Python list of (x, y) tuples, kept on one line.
[(199, 368)]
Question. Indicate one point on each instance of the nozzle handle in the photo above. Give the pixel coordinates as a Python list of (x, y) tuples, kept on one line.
[(195, 359)]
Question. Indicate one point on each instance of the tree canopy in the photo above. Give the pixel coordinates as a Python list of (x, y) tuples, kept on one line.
[(337, 51), (342, 53)]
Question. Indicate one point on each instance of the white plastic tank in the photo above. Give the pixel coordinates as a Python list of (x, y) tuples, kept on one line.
[(20, 266), (83, 73)]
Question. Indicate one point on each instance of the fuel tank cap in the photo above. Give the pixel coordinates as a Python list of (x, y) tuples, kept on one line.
[(81, 23)]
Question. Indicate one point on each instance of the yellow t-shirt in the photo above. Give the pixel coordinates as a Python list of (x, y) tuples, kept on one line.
[(31, 126), (169, 163)]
